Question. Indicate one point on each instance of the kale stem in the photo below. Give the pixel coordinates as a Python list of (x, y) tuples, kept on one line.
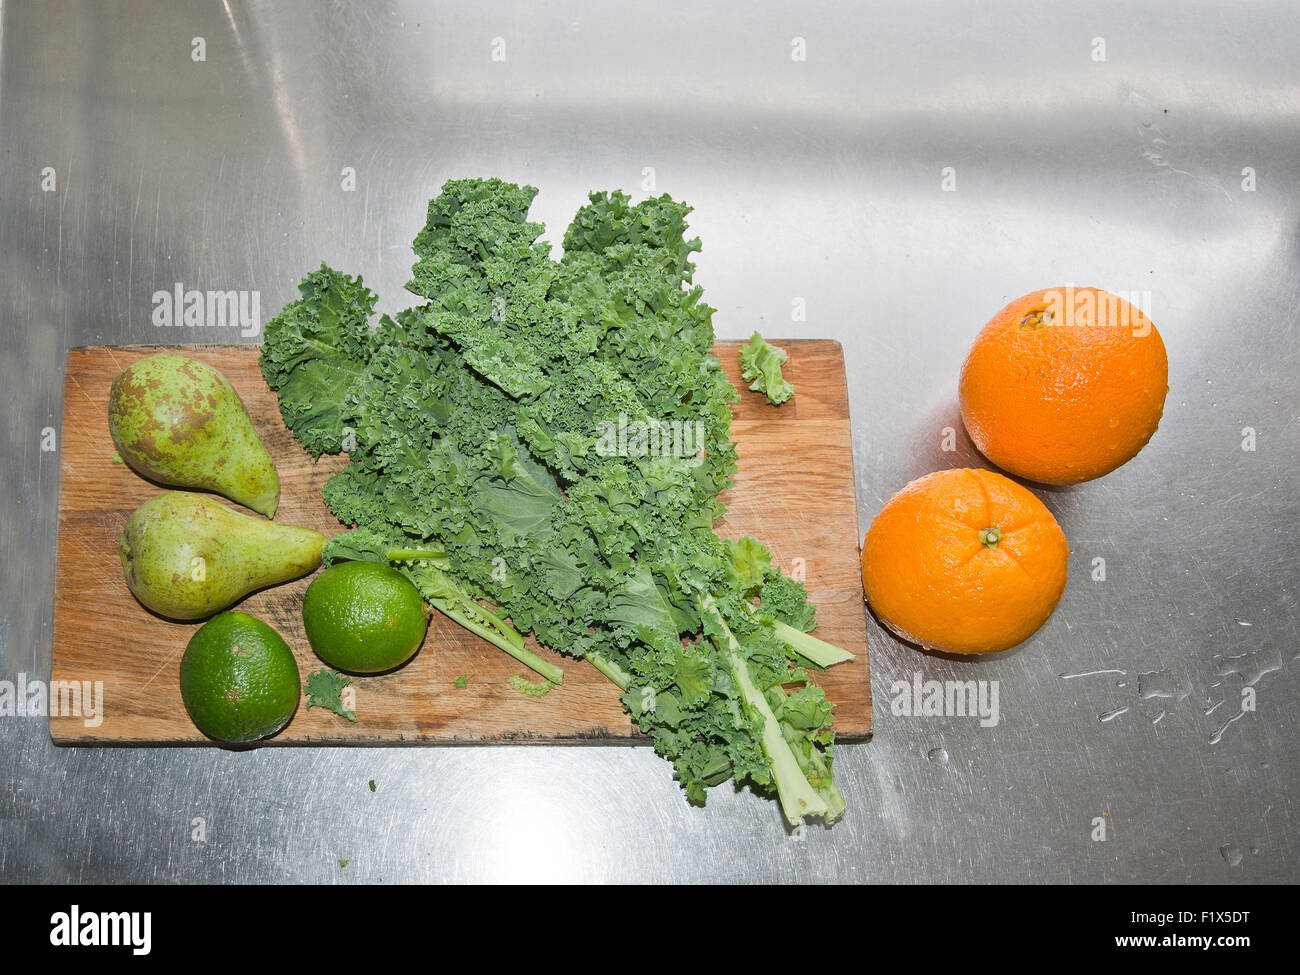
[(445, 594), (525, 656), (818, 652), (818, 771), (610, 669), (797, 795), (410, 554)]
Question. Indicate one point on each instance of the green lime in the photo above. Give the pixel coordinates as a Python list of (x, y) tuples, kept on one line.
[(239, 680), (364, 617)]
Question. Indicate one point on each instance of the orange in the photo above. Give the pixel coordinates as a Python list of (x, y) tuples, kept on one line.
[(1064, 385), (966, 561)]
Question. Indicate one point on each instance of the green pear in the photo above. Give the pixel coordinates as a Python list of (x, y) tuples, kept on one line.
[(187, 556), (178, 421)]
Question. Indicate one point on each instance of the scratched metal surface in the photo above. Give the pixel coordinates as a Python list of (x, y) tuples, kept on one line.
[(818, 180)]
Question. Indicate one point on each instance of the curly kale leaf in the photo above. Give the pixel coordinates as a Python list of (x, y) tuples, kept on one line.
[(314, 355), (785, 599), (324, 689), (761, 363)]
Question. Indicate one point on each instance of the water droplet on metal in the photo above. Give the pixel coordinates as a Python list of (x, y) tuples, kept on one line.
[(1092, 673), (1159, 684)]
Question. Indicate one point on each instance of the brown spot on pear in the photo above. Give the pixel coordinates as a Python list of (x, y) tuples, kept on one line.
[(179, 422)]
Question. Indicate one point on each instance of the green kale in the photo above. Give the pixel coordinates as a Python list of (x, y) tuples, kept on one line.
[(786, 600), (540, 446), (761, 363), (324, 689), (532, 688)]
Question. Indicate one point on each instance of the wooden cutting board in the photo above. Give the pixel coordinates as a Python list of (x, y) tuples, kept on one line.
[(794, 491)]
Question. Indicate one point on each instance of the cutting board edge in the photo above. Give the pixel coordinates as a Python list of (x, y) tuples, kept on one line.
[(568, 741)]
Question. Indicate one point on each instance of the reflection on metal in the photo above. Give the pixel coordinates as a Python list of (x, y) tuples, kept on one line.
[(818, 186)]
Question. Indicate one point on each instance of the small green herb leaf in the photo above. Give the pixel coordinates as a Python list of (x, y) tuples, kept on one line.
[(324, 689)]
